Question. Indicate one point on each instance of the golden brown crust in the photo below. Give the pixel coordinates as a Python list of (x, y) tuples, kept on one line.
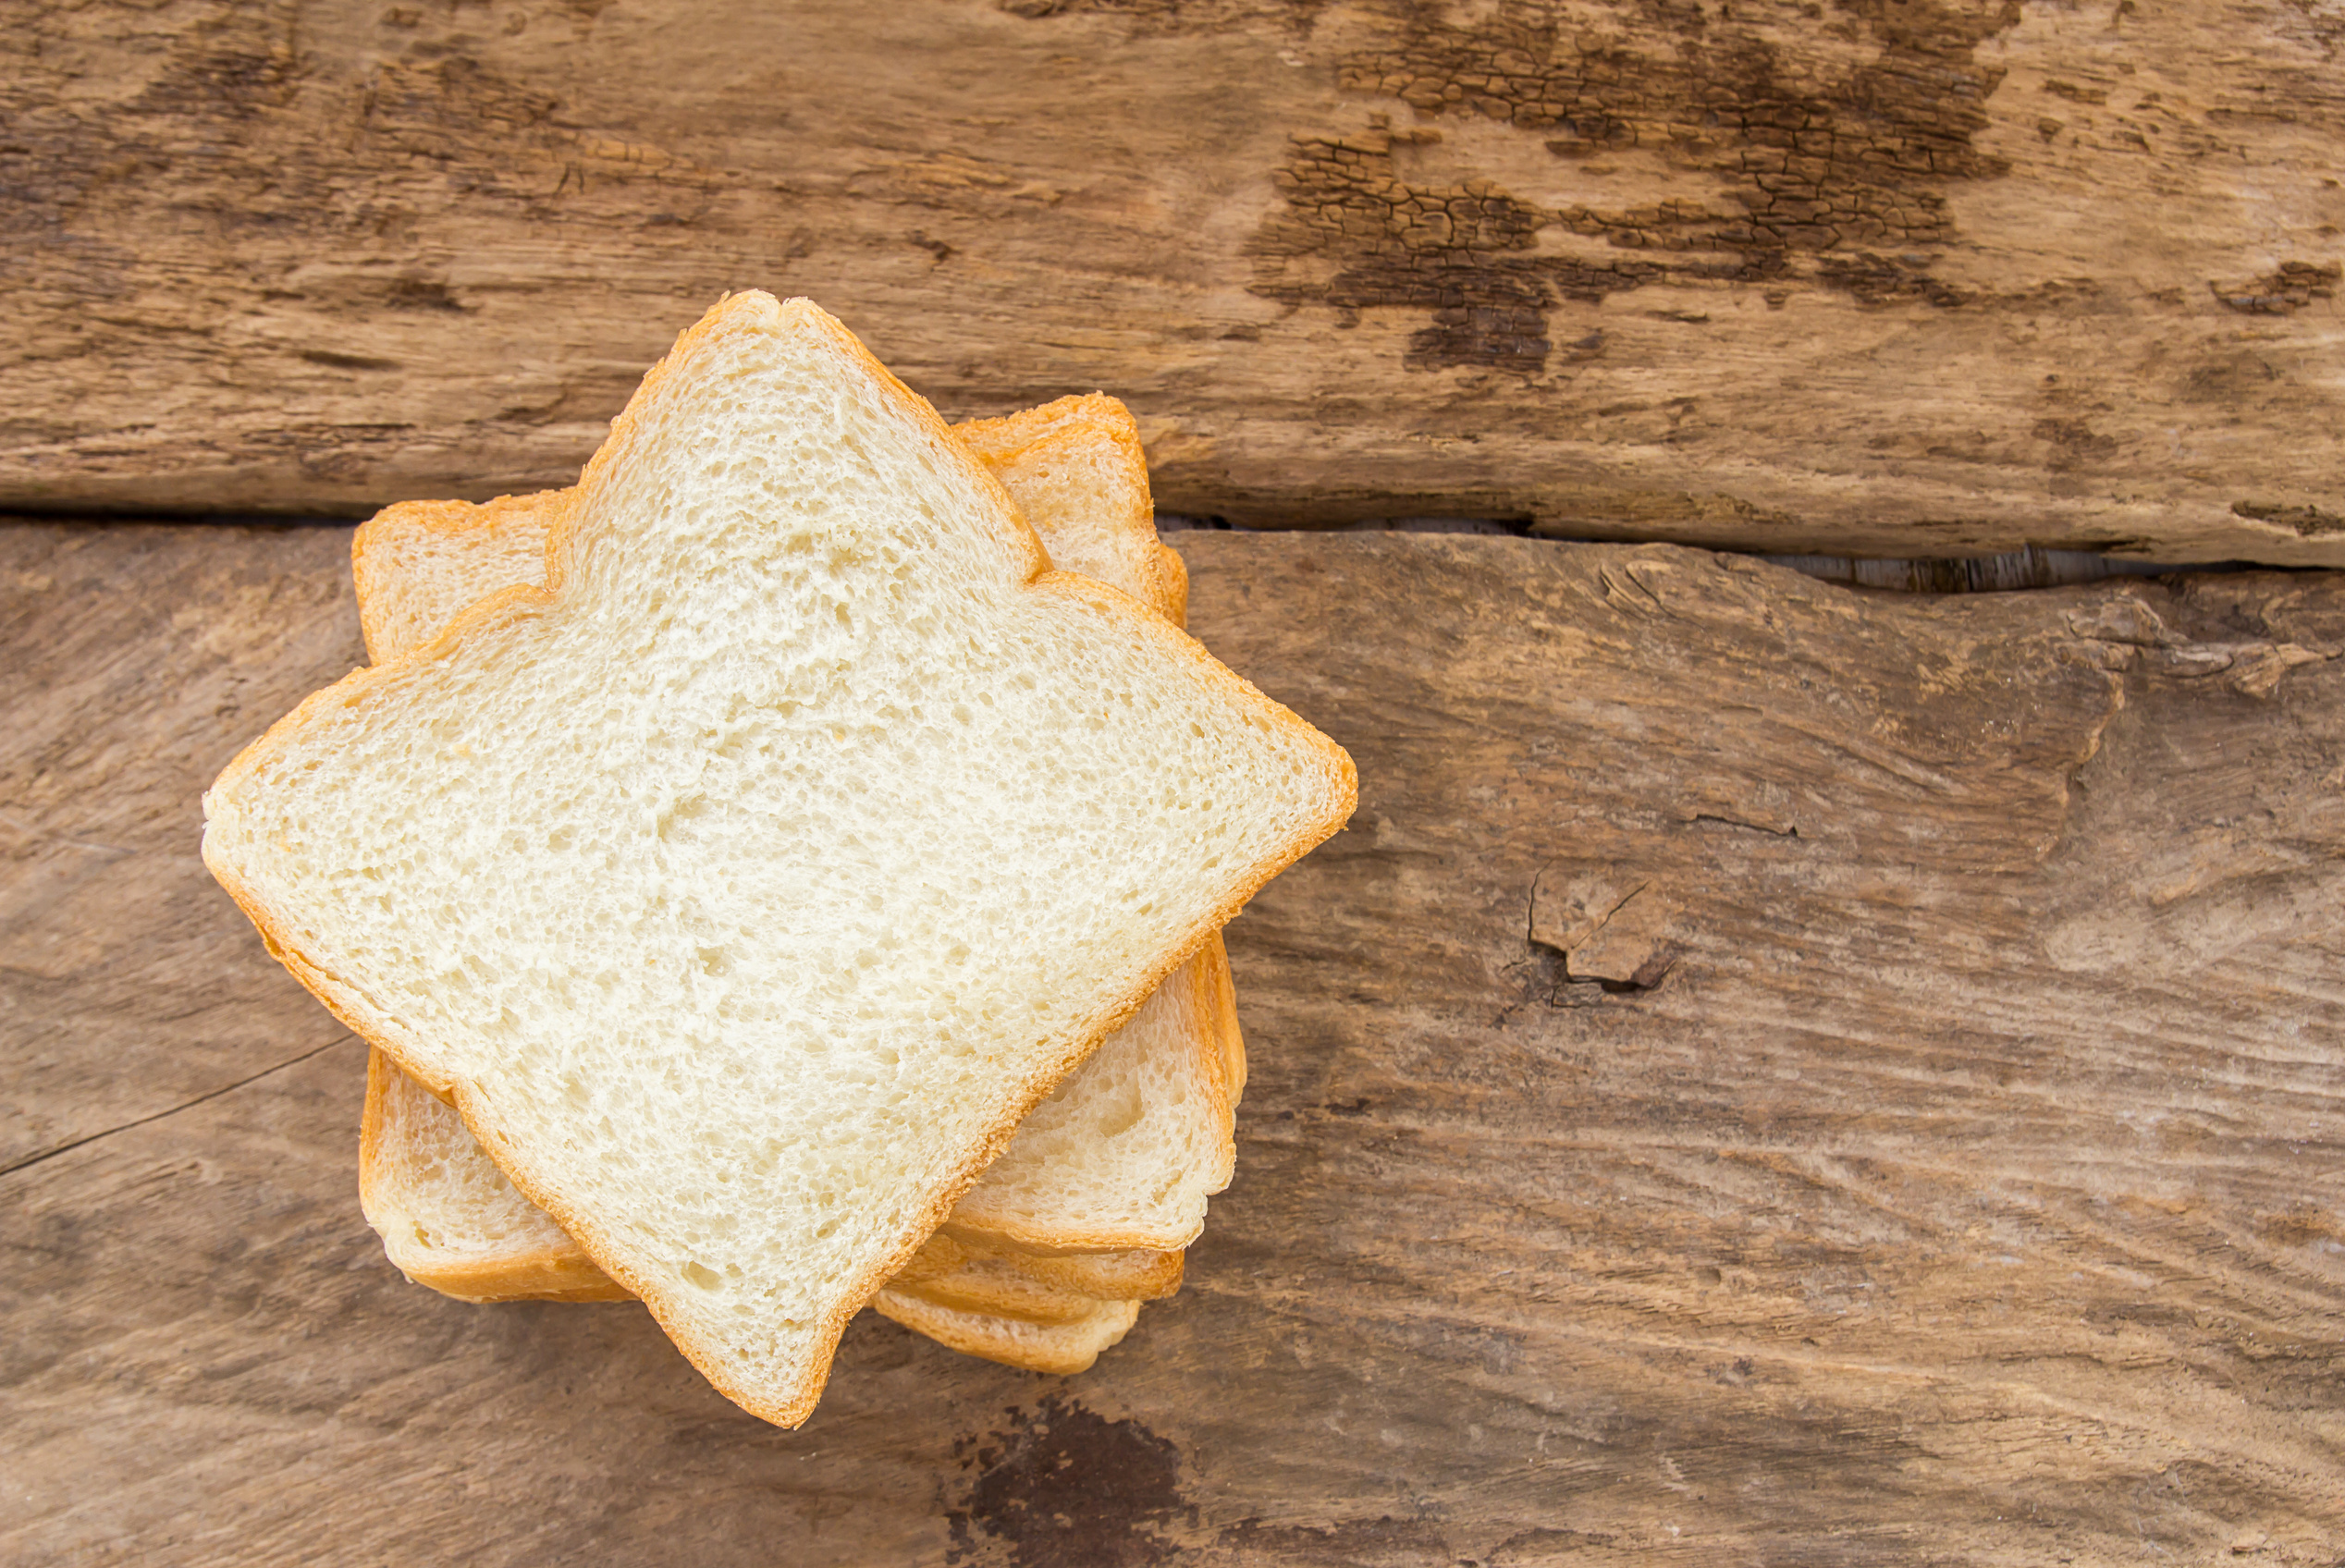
[(791, 1406), (371, 1120), (1119, 1274), (1174, 572), (552, 1277), (1222, 1009), (1157, 1276)]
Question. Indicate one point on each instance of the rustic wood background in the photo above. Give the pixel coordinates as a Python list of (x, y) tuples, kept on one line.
[(1905, 277), (1772, 1074)]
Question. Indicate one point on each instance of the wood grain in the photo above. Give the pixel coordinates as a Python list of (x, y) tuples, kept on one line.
[(1955, 1177), (1922, 279)]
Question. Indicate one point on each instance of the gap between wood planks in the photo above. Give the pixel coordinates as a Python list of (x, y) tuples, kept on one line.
[(2015, 569), (2008, 572)]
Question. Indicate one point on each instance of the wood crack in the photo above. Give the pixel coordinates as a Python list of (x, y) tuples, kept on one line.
[(30, 1160), (1792, 832)]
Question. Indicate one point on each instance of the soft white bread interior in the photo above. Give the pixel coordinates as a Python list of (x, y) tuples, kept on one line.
[(1064, 1348), (746, 886)]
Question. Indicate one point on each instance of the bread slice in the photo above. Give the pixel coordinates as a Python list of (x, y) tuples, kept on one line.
[(419, 565), (1063, 1349), (1124, 1153), (728, 885), (1075, 468)]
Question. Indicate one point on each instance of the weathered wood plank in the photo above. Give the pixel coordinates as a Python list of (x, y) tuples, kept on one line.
[(1961, 1185), (1928, 279)]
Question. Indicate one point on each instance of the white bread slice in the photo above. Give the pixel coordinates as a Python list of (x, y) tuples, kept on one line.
[(449, 1219), (419, 565), (727, 885), (1063, 1349), (449, 1216), (1076, 469), (1124, 1152)]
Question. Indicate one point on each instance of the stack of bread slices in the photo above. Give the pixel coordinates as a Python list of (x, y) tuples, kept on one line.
[(1044, 1261), (785, 870)]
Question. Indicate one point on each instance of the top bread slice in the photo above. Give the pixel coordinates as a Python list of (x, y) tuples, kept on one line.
[(1085, 1174), (743, 886)]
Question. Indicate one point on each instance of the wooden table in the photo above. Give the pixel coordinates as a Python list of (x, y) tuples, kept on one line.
[(1771, 1074)]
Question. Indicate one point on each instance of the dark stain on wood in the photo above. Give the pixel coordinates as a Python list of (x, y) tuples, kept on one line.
[(2289, 286), (1822, 157), (1880, 280), (1460, 252), (1058, 1486)]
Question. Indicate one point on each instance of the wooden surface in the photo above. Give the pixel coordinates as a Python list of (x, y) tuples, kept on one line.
[(1923, 279), (1771, 1075)]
